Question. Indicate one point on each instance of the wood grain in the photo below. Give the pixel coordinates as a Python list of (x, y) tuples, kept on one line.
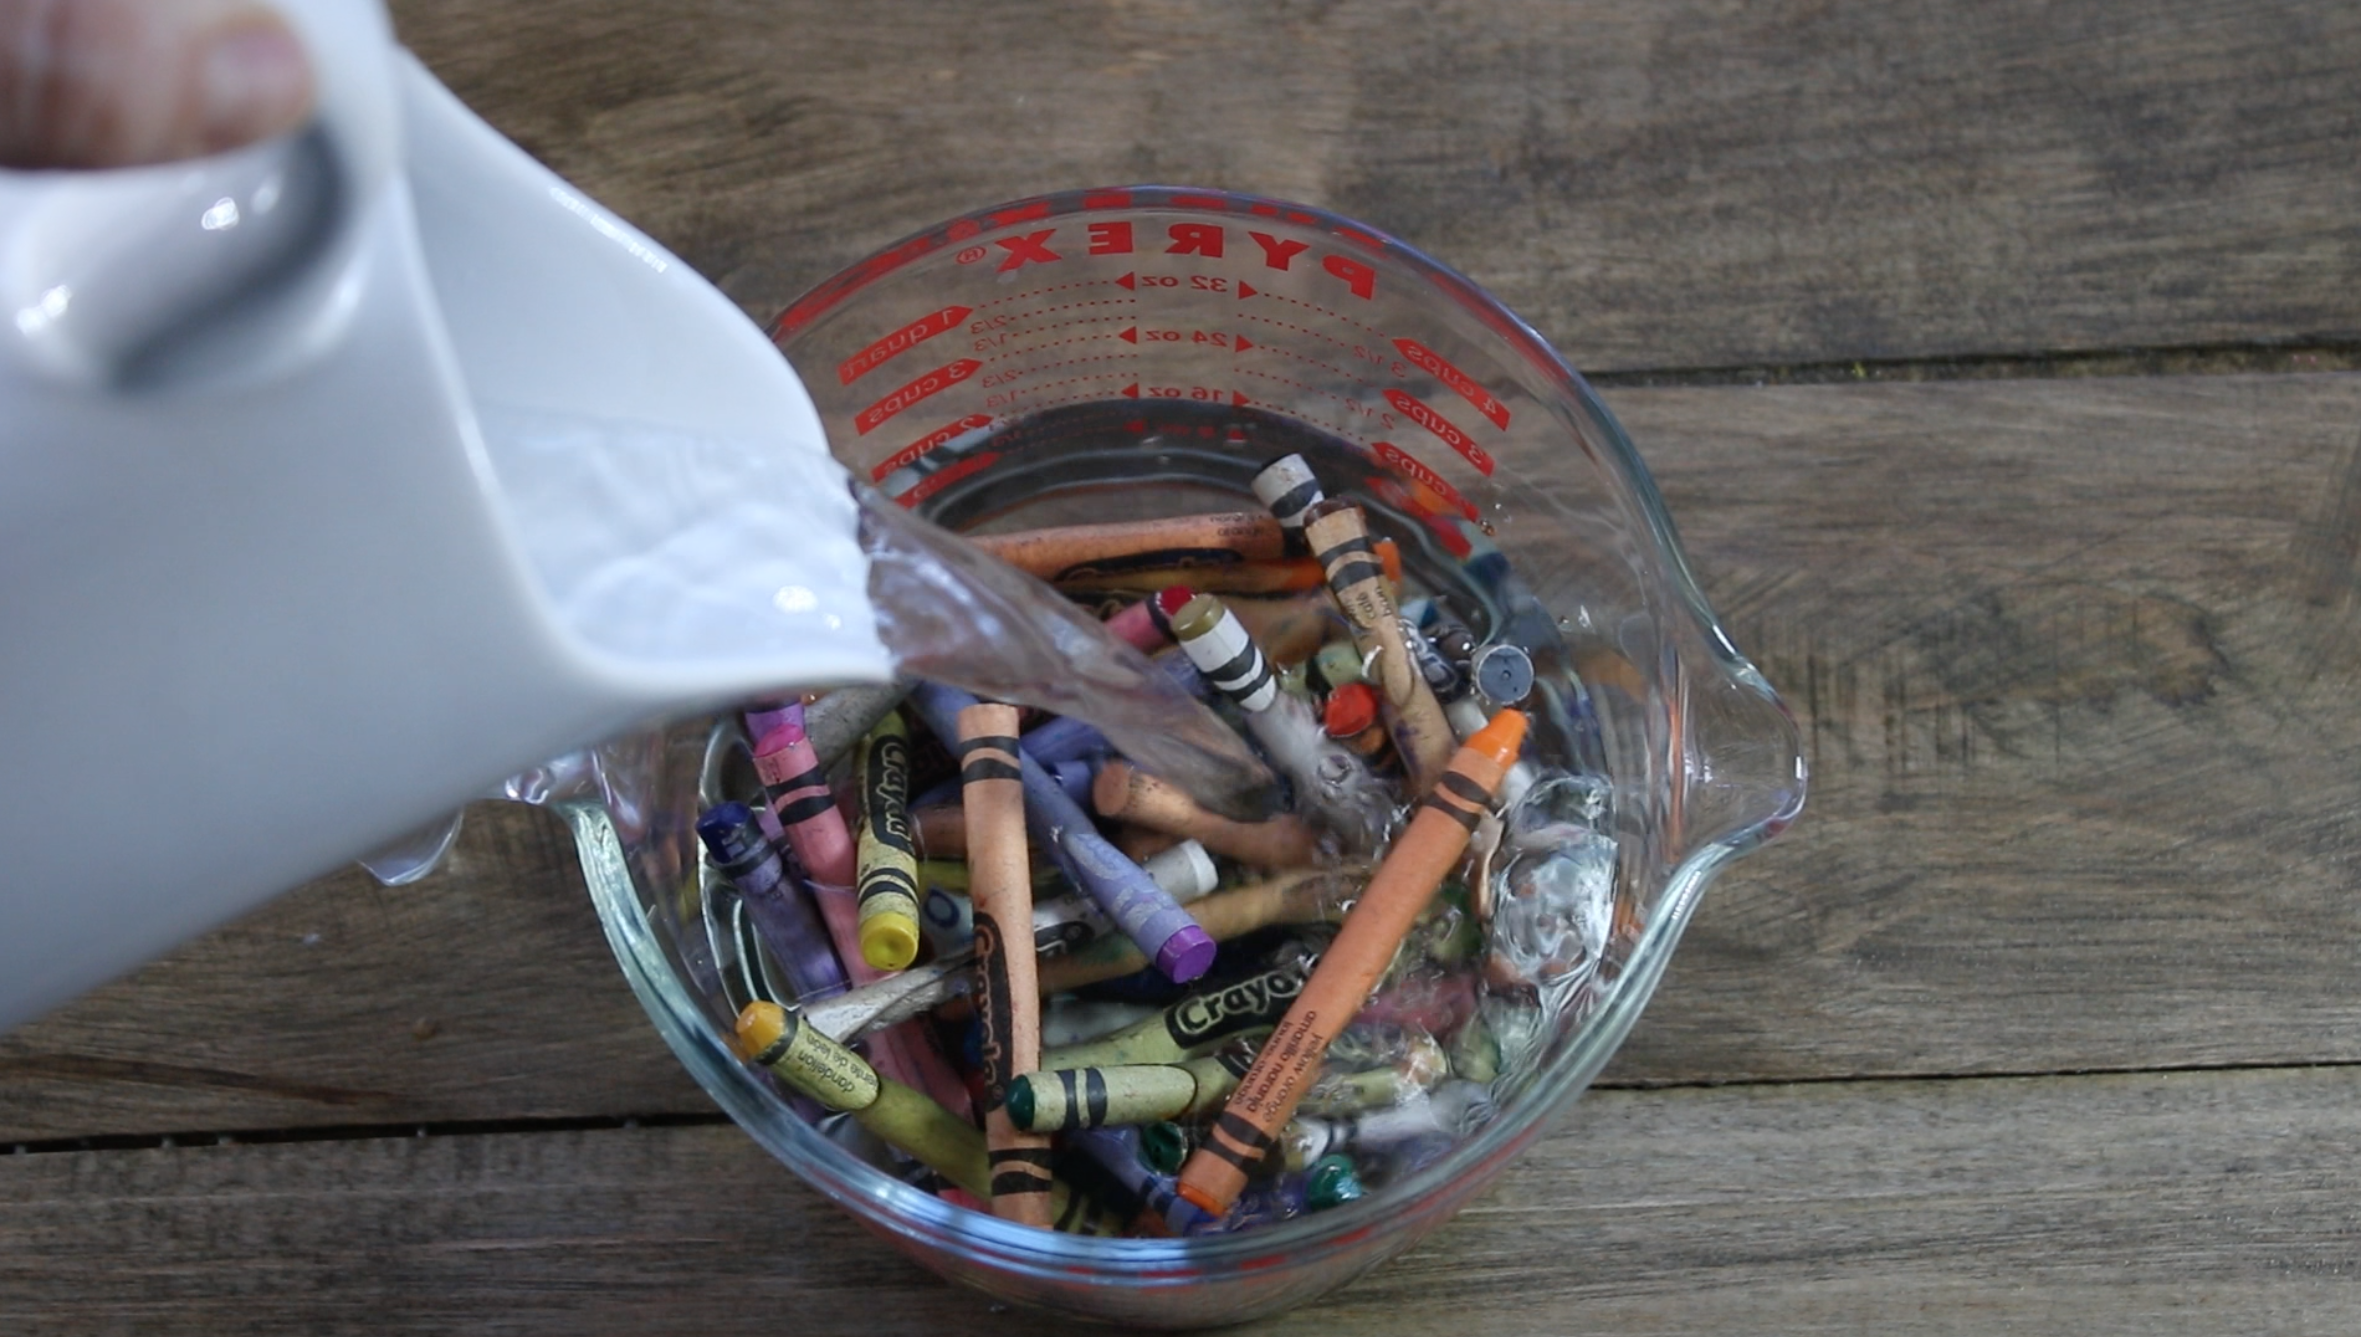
[(484, 992), (2076, 665), (1696, 184), (2150, 1203)]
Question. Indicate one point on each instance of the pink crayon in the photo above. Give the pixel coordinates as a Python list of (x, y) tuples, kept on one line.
[(1137, 625), (806, 809)]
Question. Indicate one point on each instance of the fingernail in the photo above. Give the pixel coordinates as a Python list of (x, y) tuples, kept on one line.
[(257, 83)]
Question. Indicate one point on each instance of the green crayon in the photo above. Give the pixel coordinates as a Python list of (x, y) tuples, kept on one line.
[(914, 1123), (1058, 1100), (887, 863), (1195, 1024)]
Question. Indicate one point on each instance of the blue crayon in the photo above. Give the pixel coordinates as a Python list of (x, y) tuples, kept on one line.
[(1118, 1151), (788, 924), (1131, 900), (1065, 739)]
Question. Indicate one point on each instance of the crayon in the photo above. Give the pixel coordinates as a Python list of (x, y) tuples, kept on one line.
[(1339, 535), (1331, 1181), (1411, 1074), (1413, 869), (783, 1041), (800, 799), (1305, 896), (783, 919), (1350, 717), (1131, 900), (1287, 575), (1119, 1152), (1288, 487), (887, 861), (835, 722), (1450, 1110), (1063, 922), (1503, 673), (1186, 541), (939, 831), (891, 1000), (1007, 996), (1444, 678), (1338, 664), (1136, 625), (1467, 715), (1065, 739), (1140, 844), (1330, 781), (1284, 841), (764, 716), (1195, 1024), (1061, 1099), (1290, 629)]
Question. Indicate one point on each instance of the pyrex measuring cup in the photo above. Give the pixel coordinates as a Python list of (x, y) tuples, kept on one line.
[(1131, 353)]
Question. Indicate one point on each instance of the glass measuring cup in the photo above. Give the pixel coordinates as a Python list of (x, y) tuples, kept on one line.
[(1131, 353)]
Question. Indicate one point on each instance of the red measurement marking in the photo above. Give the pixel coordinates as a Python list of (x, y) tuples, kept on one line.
[(1246, 290), (1032, 247), (1244, 343), (1107, 199), (933, 383), (933, 483), (909, 336), (1180, 201), (1129, 282), (1132, 391), (1417, 411), (909, 455), (1404, 463), (1130, 336), (1434, 365)]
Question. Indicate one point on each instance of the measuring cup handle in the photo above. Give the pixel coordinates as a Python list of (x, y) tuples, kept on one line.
[(226, 267)]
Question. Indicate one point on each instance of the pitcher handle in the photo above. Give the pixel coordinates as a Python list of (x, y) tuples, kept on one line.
[(229, 266)]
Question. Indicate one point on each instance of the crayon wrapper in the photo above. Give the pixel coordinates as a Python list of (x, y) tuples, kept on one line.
[(821, 1068), (887, 858)]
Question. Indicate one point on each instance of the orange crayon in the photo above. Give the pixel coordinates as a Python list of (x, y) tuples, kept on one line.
[(1339, 534), (1289, 1061), (1184, 541), (1131, 795), (1290, 629), (1007, 991)]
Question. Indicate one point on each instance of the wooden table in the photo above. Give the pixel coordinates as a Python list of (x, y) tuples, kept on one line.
[(1998, 363)]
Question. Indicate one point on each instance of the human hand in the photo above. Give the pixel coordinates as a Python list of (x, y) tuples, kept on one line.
[(117, 83)]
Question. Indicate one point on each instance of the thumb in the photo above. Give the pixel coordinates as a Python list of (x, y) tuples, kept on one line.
[(117, 83)]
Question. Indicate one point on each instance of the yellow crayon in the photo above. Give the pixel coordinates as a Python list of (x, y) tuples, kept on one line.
[(887, 860), (780, 1039)]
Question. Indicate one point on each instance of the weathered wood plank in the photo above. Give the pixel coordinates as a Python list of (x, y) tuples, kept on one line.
[(1686, 185), (2076, 662), (485, 991), (2077, 667), (2146, 1203)]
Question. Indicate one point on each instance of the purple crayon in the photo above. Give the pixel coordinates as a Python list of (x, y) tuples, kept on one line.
[(1131, 900), (787, 923)]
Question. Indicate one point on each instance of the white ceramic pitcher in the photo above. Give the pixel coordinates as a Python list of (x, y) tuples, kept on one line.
[(340, 477)]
